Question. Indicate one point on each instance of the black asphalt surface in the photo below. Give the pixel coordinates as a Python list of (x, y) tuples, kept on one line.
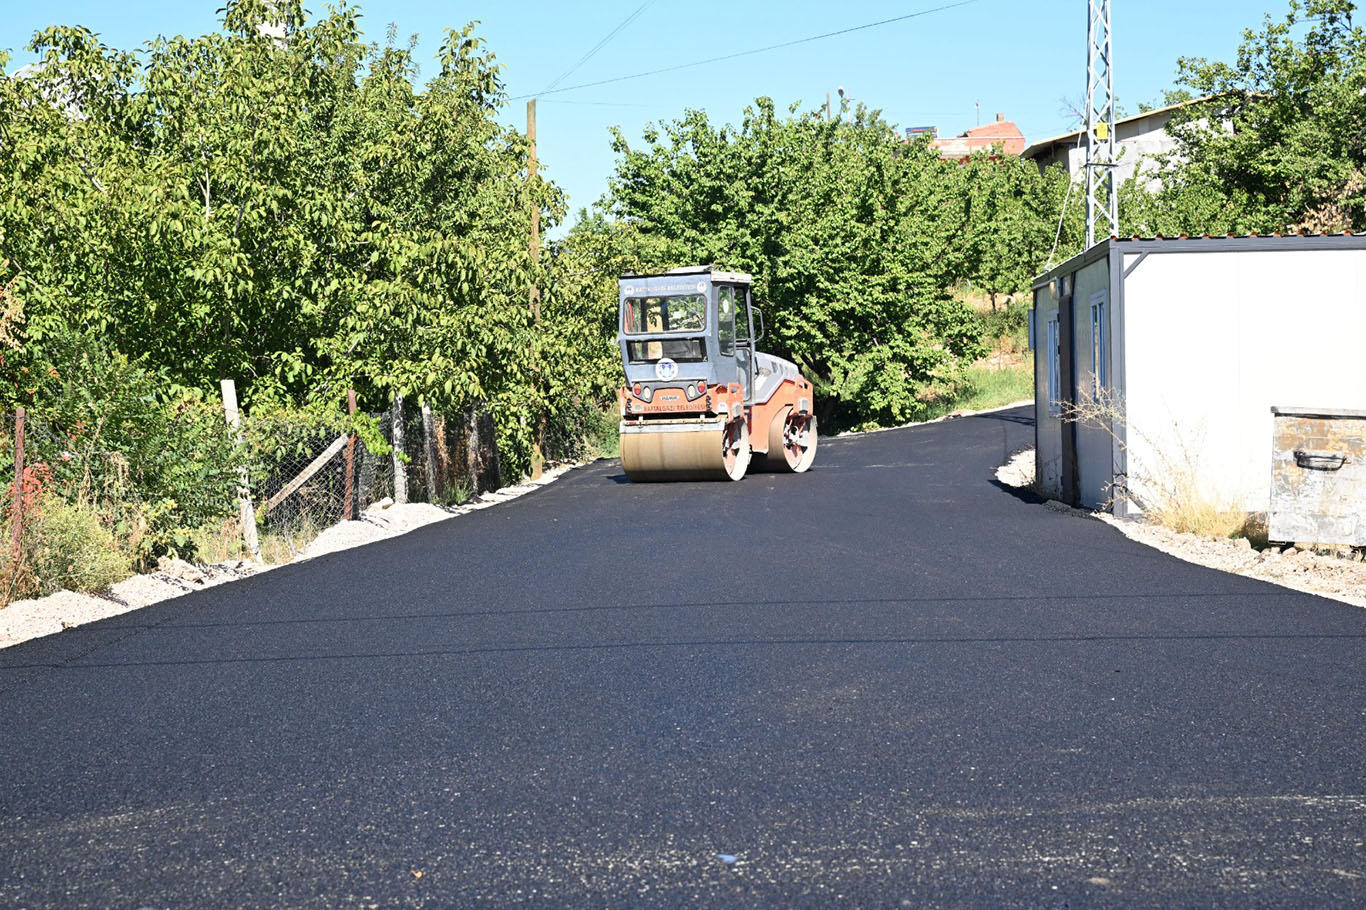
[(890, 681)]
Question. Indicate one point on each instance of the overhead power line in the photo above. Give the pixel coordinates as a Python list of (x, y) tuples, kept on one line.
[(597, 47), (757, 50)]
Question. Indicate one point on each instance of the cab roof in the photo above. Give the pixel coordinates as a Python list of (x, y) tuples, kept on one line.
[(718, 276)]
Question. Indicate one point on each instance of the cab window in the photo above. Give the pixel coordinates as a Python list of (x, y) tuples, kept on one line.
[(683, 350), (725, 319), (683, 313)]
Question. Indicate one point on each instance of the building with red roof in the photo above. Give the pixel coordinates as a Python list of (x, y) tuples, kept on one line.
[(1002, 132)]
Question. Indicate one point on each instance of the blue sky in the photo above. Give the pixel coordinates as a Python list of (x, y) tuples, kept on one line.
[(940, 69)]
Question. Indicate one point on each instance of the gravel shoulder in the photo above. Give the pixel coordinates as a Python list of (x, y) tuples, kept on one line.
[(27, 619), (1338, 577)]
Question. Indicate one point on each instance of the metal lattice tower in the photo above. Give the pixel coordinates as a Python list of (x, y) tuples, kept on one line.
[(1102, 203)]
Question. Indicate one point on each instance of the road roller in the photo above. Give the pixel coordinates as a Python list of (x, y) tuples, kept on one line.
[(700, 402)]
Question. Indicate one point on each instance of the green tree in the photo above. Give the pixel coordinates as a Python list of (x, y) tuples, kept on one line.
[(853, 236), (1279, 143), (279, 203), (1009, 215)]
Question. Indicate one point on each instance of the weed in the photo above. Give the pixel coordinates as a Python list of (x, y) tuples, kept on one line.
[(457, 493), (1167, 488), (285, 543), (64, 546)]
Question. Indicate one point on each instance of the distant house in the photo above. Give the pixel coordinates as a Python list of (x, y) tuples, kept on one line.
[(1137, 138), (1002, 133)]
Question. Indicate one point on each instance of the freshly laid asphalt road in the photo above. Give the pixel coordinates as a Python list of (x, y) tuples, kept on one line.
[(889, 680)]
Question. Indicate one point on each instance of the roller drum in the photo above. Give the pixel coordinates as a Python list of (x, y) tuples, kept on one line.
[(682, 452)]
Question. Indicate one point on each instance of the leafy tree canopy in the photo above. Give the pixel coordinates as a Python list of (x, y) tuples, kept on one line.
[(278, 203), (853, 236), (1279, 141)]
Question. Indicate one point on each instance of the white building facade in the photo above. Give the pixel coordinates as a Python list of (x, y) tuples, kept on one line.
[(1138, 141)]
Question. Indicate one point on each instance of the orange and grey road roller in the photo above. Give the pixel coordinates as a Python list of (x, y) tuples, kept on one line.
[(700, 402)]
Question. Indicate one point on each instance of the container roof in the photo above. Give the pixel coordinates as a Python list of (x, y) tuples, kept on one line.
[(1205, 243)]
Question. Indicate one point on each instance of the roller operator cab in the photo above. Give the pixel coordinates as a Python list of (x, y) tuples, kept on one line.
[(699, 401)]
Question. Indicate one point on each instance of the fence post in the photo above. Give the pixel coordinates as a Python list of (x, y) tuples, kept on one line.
[(244, 508), (17, 509), (347, 511), (400, 469), (429, 450)]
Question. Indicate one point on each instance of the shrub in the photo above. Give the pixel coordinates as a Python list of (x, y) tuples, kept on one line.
[(1008, 326), (581, 430), (65, 547), (154, 461)]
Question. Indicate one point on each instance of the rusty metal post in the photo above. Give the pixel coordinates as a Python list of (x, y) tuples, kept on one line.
[(349, 499), (17, 508)]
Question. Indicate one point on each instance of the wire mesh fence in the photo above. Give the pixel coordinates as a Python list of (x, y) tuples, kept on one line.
[(142, 484), (314, 476)]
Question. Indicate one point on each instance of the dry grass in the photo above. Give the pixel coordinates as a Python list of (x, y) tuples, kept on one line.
[(284, 545), (1180, 506), (1172, 497), (222, 542)]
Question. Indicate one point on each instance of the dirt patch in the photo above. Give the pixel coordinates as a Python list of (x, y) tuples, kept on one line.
[(1004, 360), (26, 619), (1339, 577)]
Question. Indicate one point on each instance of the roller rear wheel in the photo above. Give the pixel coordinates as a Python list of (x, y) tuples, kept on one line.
[(792, 442)]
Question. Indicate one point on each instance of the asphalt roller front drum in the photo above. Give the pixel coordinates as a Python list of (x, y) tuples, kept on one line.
[(685, 451)]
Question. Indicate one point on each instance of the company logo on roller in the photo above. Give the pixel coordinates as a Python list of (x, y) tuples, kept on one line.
[(666, 370)]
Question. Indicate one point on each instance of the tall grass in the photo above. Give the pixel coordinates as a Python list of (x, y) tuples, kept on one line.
[(1172, 496), (990, 388)]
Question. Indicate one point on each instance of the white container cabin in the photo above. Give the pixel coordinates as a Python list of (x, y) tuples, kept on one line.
[(1178, 349)]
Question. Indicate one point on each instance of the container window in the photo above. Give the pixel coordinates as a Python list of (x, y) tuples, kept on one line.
[(1100, 360)]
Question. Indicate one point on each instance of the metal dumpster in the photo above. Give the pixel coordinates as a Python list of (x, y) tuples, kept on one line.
[(1318, 476)]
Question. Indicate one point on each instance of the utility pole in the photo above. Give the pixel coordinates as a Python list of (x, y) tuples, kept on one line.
[(537, 457), (535, 247), (1101, 199)]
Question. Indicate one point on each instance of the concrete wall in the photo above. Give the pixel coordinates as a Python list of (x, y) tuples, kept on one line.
[(1136, 140), (1212, 340)]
